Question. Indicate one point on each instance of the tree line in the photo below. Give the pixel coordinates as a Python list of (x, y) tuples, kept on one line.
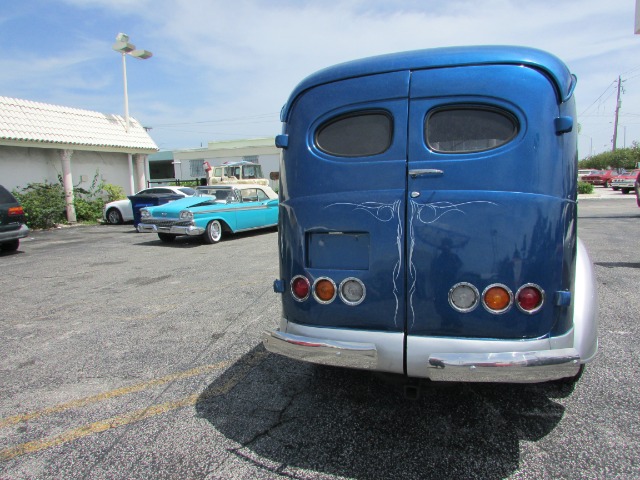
[(621, 158)]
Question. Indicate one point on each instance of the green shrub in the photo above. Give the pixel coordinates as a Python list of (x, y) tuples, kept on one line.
[(113, 192), (43, 204), (88, 210), (584, 187), (89, 203)]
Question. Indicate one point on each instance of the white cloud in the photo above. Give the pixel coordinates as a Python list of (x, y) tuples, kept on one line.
[(219, 60)]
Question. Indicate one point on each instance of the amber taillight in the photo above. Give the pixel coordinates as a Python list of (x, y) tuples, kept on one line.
[(16, 211)]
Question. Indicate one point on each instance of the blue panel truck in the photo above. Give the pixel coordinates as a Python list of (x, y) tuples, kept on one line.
[(428, 219)]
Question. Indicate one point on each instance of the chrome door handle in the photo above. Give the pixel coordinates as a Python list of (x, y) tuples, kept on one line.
[(425, 172)]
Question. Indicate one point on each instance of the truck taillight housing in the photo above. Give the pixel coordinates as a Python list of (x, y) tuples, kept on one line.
[(324, 290), (529, 298), (497, 298), (300, 288), (464, 297), (352, 291)]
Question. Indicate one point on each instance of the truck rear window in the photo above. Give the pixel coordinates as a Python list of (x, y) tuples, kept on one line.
[(467, 129), (360, 134)]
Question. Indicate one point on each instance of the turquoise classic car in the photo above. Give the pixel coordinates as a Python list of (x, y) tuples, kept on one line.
[(212, 211)]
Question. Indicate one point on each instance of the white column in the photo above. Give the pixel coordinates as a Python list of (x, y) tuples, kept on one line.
[(67, 183), (140, 170), (132, 188)]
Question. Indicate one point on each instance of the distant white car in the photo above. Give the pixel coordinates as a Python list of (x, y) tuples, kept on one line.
[(585, 172), (120, 211)]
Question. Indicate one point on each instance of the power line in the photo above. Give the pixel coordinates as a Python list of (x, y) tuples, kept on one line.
[(597, 99)]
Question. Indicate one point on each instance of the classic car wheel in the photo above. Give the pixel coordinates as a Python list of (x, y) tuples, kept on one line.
[(114, 217), (166, 237), (625, 191), (213, 233)]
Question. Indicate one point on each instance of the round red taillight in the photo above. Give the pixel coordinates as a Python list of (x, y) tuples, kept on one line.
[(300, 288), (497, 298), (529, 298)]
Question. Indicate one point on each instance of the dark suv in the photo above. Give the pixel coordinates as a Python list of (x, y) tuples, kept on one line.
[(12, 222)]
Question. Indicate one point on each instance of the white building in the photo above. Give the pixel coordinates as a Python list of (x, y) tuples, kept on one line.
[(166, 167), (41, 142)]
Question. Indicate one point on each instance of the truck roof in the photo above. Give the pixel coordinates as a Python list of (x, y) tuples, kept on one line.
[(555, 69)]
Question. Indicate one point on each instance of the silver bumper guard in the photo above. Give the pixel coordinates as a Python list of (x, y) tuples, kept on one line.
[(21, 232), (505, 367), (512, 367), (173, 229), (322, 351)]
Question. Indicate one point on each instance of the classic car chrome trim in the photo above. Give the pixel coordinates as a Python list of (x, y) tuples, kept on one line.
[(436, 358), (509, 361), (418, 172), (512, 367), (21, 232), (168, 227), (322, 351), (171, 229), (389, 346), (232, 209), (585, 306)]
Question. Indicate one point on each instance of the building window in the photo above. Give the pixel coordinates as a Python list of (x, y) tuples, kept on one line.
[(251, 159), (196, 168)]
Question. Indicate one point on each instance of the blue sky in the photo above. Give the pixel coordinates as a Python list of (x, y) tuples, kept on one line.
[(223, 69)]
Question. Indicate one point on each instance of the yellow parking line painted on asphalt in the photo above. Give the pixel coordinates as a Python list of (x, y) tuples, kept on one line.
[(132, 417), (96, 427), (81, 402)]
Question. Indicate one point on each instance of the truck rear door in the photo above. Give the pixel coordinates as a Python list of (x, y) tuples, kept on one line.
[(484, 201)]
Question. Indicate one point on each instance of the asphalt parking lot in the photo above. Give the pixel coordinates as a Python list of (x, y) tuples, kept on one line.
[(123, 357)]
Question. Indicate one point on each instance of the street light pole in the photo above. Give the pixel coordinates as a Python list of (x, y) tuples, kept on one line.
[(123, 46), (126, 96)]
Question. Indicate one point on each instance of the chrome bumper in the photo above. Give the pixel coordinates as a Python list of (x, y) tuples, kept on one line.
[(173, 229), (322, 351), (512, 367), (21, 232), (503, 367)]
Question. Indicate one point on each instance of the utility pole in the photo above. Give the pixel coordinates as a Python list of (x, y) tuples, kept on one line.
[(615, 122)]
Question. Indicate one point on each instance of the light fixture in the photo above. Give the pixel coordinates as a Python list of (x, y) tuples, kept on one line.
[(123, 46)]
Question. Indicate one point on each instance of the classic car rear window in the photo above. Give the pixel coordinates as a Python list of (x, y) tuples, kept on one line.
[(467, 129), (253, 195), (6, 196), (359, 134)]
